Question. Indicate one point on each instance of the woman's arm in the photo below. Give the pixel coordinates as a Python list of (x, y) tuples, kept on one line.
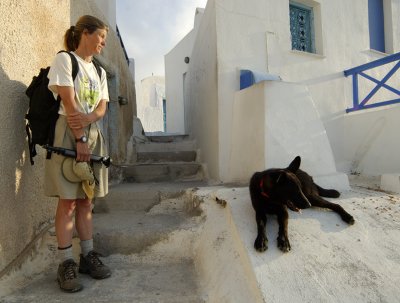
[(78, 120), (67, 94)]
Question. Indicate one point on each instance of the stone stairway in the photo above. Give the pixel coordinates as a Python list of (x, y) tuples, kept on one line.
[(146, 231), (165, 158)]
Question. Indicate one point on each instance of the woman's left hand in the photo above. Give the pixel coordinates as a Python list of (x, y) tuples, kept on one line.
[(78, 120)]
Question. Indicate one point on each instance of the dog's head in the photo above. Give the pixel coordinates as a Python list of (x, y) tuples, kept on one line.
[(282, 186)]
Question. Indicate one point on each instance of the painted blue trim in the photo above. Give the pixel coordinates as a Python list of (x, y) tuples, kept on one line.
[(249, 78), (393, 90), (359, 70), (374, 105), (380, 83), (372, 64), (355, 91), (164, 105), (376, 25), (246, 78)]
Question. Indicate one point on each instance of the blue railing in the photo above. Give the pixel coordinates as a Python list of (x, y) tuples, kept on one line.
[(360, 71)]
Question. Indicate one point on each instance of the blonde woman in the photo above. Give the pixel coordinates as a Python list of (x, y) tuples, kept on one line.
[(83, 102)]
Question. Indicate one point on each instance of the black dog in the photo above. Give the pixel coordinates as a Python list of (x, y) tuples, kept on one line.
[(273, 191)]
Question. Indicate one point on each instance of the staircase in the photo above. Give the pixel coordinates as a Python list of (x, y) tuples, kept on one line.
[(145, 228), (165, 158)]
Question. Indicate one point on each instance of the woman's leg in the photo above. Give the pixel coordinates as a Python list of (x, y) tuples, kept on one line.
[(89, 260), (67, 270), (64, 223), (83, 219)]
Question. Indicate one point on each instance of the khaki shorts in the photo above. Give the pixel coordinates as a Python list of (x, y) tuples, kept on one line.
[(55, 183)]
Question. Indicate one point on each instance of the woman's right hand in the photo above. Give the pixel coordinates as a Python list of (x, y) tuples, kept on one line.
[(82, 152), (78, 120)]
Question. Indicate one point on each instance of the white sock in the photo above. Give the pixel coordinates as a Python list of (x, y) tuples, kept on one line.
[(64, 253), (86, 246)]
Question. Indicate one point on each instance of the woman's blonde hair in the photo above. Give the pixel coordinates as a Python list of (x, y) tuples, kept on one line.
[(73, 35)]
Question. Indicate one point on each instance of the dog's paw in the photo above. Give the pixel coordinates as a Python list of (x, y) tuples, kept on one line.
[(283, 244), (261, 244), (348, 219)]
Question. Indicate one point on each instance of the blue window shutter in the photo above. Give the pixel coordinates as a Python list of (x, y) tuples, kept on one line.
[(376, 25), (301, 27)]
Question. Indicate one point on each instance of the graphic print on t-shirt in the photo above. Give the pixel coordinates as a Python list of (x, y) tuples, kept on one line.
[(89, 91)]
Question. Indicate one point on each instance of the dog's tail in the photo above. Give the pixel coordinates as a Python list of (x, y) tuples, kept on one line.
[(328, 193)]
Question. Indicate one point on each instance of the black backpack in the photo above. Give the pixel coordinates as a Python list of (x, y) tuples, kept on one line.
[(43, 109)]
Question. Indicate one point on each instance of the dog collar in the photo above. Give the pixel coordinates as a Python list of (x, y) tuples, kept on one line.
[(263, 193)]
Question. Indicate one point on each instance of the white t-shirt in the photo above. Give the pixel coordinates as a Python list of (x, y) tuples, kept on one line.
[(89, 88)]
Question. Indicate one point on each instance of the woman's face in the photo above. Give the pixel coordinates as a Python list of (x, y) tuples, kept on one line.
[(96, 41)]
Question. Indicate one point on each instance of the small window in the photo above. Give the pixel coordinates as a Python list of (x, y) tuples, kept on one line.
[(302, 27)]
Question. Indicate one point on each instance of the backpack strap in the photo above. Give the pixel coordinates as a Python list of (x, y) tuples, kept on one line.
[(74, 61), (98, 68), (75, 69)]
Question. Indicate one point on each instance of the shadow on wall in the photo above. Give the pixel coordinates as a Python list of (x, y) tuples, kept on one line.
[(21, 187), (12, 134)]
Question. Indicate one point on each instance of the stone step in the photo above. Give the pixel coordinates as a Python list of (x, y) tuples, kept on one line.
[(141, 196), (184, 151), (131, 281), (149, 249), (128, 232), (161, 172), (127, 196), (165, 137), (134, 217), (186, 145), (166, 156)]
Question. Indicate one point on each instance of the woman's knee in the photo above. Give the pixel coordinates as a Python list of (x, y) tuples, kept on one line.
[(84, 203), (66, 206)]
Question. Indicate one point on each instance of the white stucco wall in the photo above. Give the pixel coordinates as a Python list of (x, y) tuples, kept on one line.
[(256, 35), (201, 92), (150, 105), (175, 74), (31, 34), (371, 145), (24, 28), (267, 132)]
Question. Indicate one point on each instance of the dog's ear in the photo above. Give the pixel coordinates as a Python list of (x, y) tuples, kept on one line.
[(295, 165)]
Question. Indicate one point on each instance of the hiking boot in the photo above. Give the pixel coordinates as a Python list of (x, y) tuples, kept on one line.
[(67, 276), (92, 265)]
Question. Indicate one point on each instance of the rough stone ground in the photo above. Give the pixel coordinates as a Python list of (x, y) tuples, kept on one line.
[(329, 261), (146, 233)]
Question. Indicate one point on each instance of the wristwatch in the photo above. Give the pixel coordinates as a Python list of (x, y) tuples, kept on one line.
[(82, 139)]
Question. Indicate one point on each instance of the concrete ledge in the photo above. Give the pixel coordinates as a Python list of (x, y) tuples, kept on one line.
[(330, 261), (225, 271), (338, 181), (390, 182)]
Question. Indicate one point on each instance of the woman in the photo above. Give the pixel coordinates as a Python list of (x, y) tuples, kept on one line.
[(83, 102)]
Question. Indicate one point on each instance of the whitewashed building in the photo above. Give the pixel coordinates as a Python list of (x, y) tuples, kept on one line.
[(151, 107), (266, 82), (176, 66)]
